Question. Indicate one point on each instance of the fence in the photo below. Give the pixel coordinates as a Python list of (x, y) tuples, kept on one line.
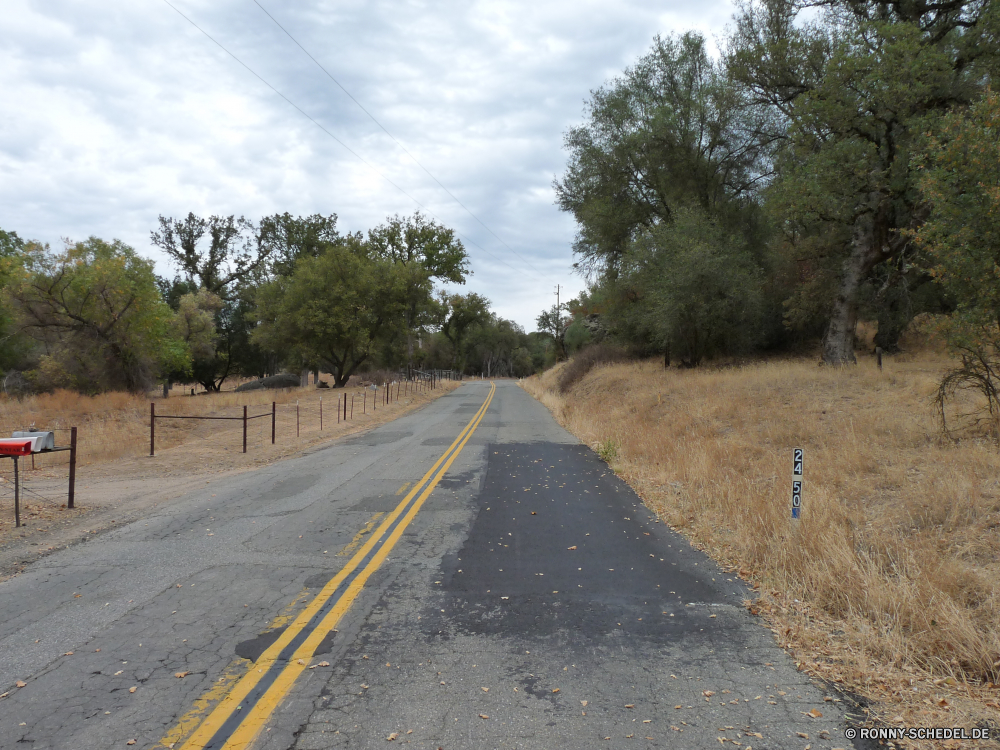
[(367, 400), (18, 480)]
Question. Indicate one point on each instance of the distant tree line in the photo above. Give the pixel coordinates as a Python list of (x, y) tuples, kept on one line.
[(249, 299), (823, 169)]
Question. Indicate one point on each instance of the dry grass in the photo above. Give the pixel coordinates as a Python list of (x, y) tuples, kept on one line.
[(895, 562), (112, 426)]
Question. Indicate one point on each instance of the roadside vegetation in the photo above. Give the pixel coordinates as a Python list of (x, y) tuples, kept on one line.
[(249, 300), (824, 191), (889, 585)]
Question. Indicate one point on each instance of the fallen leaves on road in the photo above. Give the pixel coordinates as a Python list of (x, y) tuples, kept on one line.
[(814, 713), (392, 736), (555, 690), (179, 675), (485, 690), (68, 653), (483, 716), (133, 688), (629, 705), (573, 547), (708, 693), (583, 703), (130, 742), (21, 683)]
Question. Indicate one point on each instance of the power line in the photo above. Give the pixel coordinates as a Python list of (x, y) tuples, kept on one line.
[(321, 127), (405, 151)]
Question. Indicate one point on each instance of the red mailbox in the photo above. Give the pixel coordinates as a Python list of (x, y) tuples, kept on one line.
[(16, 446)]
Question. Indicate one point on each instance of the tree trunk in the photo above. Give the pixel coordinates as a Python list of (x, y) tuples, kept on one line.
[(838, 342)]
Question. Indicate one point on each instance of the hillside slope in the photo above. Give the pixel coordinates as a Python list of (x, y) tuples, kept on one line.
[(888, 584)]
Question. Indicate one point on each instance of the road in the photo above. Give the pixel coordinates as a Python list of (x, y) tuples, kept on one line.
[(467, 576)]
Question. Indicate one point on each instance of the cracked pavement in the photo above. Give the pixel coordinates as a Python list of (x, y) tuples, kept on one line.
[(533, 602)]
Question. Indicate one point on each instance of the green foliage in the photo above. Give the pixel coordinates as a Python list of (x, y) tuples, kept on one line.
[(461, 313), (423, 251), (608, 450), (286, 239), (98, 312), (14, 346), (854, 89), (577, 336), (701, 289), (499, 348), (961, 178), (671, 131), (663, 181), (333, 310)]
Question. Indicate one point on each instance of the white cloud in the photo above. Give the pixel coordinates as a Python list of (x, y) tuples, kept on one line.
[(119, 111)]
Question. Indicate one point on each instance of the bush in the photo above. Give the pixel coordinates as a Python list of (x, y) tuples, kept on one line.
[(282, 380), (586, 360)]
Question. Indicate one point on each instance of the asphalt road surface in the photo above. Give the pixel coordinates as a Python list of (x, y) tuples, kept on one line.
[(467, 576)]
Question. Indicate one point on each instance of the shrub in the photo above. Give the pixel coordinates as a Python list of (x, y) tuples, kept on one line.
[(586, 360)]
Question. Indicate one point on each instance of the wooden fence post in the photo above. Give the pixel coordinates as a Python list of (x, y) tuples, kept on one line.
[(72, 466), (17, 496), (274, 414), (244, 428), (152, 428)]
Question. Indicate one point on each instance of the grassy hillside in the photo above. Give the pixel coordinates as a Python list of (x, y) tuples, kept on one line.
[(889, 583)]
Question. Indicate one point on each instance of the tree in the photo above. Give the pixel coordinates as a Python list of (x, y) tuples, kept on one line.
[(671, 131), (97, 311), (851, 93), (703, 289), (289, 238), (333, 310), (462, 312), (228, 257), (13, 345), (960, 177), (232, 254), (501, 347), (553, 323), (427, 251)]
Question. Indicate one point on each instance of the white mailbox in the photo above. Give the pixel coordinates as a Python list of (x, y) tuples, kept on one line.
[(43, 441)]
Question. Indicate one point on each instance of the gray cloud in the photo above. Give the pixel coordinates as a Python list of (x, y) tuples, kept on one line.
[(119, 111)]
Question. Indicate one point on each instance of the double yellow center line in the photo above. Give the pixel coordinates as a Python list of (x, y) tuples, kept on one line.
[(246, 708)]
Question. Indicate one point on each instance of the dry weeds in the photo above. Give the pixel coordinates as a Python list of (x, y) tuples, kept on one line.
[(889, 583)]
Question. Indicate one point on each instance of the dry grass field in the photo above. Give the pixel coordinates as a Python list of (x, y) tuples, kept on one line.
[(890, 583)]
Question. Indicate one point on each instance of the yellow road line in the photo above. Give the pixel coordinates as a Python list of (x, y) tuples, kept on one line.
[(258, 714), (403, 488), (352, 545)]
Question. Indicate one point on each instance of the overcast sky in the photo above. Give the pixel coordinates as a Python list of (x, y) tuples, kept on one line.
[(120, 110)]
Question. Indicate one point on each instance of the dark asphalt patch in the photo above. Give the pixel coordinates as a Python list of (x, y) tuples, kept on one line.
[(289, 487), (380, 438), (253, 648), (377, 504), (541, 499), (561, 545)]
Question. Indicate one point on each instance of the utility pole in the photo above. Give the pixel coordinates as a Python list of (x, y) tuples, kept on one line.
[(559, 344)]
